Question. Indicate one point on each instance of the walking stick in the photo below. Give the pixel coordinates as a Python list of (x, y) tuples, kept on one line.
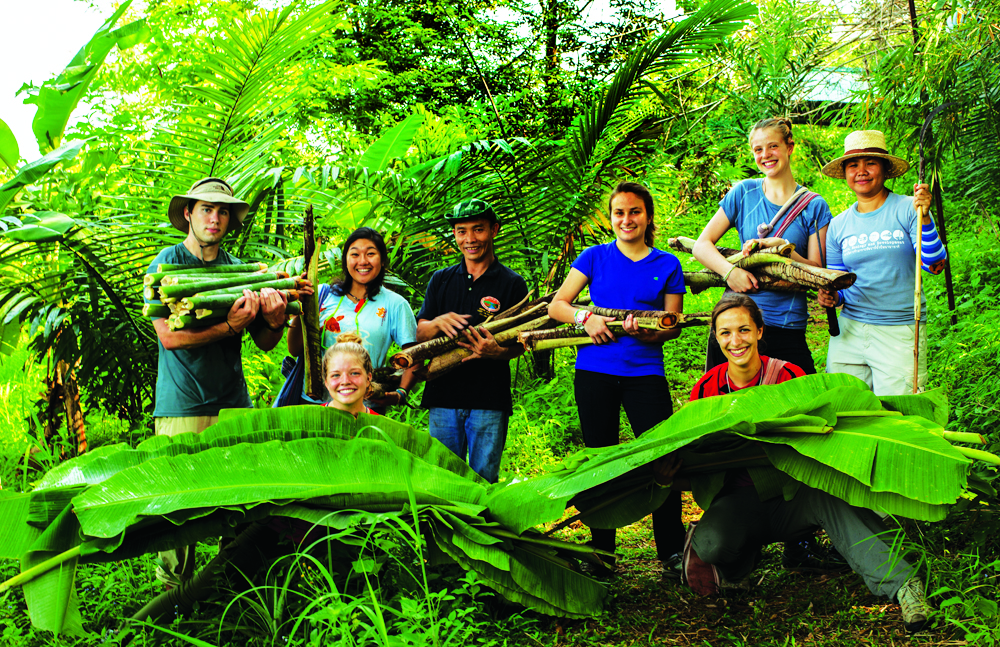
[(921, 212)]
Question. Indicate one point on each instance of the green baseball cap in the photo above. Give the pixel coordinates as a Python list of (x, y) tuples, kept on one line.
[(473, 209)]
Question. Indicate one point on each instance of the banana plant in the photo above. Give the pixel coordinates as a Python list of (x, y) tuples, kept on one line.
[(312, 463)]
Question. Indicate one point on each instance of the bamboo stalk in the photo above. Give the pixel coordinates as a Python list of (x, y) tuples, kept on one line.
[(211, 269), (291, 309), (524, 306), (182, 322), (154, 310), (683, 244), (311, 334), (188, 288), (440, 345), (254, 286)]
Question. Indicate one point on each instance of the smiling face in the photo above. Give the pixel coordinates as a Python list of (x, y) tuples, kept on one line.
[(475, 239), (629, 218), (347, 381), (770, 151), (738, 335), (364, 263), (865, 176), (209, 222)]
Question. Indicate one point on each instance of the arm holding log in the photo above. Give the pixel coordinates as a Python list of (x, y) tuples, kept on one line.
[(561, 308), (738, 280), (671, 303)]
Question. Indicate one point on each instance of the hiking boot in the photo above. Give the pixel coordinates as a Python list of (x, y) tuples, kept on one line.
[(913, 604), (673, 567)]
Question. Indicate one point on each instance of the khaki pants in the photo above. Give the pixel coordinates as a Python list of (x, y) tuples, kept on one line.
[(178, 564), (882, 356)]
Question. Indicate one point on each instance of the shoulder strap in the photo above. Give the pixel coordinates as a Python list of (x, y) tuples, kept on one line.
[(773, 370), (794, 212)]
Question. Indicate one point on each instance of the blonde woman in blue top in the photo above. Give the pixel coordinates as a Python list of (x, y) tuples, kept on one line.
[(750, 204), (627, 273)]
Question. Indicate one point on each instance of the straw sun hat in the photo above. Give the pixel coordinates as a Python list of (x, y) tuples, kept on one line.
[(865, 143), (208, 189)]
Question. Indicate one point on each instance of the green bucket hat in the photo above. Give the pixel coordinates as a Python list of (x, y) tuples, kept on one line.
[(473, 209), (208, 189)]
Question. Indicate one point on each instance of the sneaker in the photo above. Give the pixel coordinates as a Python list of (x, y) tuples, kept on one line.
[(913, 604)]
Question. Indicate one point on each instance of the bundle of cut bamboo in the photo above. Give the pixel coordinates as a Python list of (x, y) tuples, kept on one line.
[(528, 323), (194, 296)]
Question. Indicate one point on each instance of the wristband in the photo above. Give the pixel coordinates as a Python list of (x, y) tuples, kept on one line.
[(231, 330), (581, 317), (402, 395), (725, 277)]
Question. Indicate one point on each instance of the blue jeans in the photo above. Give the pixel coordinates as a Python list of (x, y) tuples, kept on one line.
[(480, 432)]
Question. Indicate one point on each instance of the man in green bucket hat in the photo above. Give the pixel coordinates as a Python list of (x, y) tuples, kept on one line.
[(470, 406)]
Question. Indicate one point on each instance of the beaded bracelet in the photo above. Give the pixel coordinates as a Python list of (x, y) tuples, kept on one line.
[(403, 395), (725, 277)]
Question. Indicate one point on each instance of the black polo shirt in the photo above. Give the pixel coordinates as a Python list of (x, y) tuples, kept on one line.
[(478, 383)]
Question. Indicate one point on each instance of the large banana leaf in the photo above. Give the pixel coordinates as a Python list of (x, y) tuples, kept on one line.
[(892, 462)]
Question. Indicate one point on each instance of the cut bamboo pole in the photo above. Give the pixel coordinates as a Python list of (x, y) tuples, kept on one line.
[(253, 286), (186, 289), (154, 310), (211, 269), (440, 345), (311, 334)]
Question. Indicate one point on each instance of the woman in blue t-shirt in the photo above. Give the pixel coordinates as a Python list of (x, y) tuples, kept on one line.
[(627, 273), (756, 202)]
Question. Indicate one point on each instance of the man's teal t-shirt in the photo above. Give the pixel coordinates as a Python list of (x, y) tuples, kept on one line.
[(199, 381)]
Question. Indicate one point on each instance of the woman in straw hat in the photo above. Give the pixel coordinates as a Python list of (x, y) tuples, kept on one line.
[(752, 207), (876, 239)]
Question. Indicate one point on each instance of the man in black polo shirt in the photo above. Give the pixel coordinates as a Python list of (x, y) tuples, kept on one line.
[(471, 405)]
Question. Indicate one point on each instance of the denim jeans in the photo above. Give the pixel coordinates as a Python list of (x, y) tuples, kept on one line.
[(480, 432)]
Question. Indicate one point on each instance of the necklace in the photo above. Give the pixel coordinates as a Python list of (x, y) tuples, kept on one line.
[(729, 383)]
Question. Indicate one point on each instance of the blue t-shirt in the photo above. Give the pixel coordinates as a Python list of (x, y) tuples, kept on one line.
[(199, 381), (877, 246), (382, 319), (616, 281), (746, 206)]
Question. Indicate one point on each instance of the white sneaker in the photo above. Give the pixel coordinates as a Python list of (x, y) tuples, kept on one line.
[(913, 604)]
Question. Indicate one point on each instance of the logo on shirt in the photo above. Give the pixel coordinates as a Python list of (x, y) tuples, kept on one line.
[(490, 305), (381, 314), (333, 323)]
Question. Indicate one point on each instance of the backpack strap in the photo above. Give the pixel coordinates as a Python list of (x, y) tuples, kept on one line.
[(773, 370), (794, 212)]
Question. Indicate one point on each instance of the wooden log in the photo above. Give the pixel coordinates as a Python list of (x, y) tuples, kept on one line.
[(686, 245), (447, 361), (704, 279), (440, 345)]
